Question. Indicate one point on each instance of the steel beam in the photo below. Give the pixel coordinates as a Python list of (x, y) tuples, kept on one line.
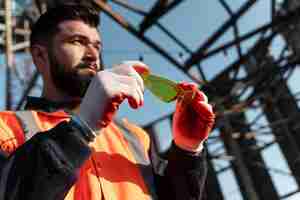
[(158, 10), (212, 188), (202, 50)]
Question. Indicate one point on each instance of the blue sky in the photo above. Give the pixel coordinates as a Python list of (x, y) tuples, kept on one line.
[(192, 22)]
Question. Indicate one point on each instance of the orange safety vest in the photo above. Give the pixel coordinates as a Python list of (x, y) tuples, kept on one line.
[(113, 167)]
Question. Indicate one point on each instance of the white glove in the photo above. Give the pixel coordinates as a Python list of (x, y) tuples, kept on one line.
[(107, 91)]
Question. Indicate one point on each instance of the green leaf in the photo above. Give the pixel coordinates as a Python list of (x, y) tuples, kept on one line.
[(165, 89)]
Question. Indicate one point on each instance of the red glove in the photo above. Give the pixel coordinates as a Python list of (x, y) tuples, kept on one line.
[(193, 119)]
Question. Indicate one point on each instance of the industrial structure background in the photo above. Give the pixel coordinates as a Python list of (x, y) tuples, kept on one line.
[(256, 82)]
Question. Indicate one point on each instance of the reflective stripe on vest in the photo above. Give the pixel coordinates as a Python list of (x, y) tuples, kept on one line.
[(12, 134), (28, 123), (30, 127), (138, 152)]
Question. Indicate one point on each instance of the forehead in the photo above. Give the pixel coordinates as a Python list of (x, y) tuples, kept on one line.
[(70, 28)]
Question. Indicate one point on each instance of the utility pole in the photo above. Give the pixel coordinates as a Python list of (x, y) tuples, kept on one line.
[(8, 51)]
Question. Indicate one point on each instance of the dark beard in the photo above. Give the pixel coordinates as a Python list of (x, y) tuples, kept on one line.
[(70, 81)]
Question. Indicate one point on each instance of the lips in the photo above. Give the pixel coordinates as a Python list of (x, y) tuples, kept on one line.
[(92, 66)]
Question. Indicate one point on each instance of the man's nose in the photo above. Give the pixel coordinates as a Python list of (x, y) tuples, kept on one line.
[(92, 52)]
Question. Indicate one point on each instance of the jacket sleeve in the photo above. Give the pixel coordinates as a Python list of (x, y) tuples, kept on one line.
[(184, 176), (45, 167)]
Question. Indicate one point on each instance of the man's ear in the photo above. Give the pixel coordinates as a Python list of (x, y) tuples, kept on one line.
[(39, 55)]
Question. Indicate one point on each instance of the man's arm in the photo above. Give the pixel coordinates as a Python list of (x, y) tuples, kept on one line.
[(45, 167), (184, 175), (186, 170)]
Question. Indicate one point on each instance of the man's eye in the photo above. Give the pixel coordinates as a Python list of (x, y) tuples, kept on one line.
[(76, 42), (98, 47)]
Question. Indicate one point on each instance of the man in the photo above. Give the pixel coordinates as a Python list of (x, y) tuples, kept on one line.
[(65, 146)]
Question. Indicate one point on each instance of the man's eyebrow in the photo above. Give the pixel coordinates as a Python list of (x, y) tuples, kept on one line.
[(81, 36)]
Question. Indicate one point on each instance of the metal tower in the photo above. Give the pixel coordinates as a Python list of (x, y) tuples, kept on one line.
[(257, 108)]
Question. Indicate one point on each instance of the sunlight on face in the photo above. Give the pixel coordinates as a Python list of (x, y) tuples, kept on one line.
[(74, 56)]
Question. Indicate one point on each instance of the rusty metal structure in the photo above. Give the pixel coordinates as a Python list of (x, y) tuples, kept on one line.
[(257, 108)]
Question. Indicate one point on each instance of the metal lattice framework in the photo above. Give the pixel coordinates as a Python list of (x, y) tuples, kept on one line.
[(255, 82)]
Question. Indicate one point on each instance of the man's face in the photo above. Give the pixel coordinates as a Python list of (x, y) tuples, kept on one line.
[(74, 57)]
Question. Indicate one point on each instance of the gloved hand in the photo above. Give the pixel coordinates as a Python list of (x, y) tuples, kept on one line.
[(193, 118), (107, 91)]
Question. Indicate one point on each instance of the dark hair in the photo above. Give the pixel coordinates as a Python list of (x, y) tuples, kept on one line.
[(47, 25)]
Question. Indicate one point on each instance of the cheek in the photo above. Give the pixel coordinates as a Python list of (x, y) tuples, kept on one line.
[(70, 56)]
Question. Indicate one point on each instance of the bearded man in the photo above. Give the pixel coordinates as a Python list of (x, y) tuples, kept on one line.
[(65, 145)]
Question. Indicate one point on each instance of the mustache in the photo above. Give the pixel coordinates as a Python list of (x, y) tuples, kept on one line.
[(84, 65)]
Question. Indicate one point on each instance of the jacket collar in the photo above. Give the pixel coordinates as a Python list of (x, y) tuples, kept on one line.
[(45, 105)]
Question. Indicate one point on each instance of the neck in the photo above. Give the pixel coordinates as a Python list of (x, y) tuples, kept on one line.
[(56, 95)]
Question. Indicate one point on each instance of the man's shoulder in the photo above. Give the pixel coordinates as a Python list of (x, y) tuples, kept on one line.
[(7, 113), (8, 118), (10, 113)]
